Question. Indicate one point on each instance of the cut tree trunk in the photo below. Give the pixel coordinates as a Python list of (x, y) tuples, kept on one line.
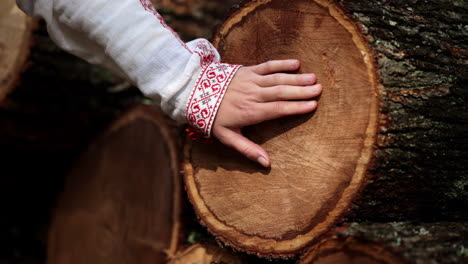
[(122, 199), (389, 140), (15, 40), (393, 243)]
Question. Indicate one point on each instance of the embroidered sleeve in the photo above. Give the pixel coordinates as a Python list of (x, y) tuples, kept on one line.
[(209, 89), (130, 38), (210, 86), (207, 95)]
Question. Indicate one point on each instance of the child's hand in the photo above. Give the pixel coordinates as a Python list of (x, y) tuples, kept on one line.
[(259, 93)]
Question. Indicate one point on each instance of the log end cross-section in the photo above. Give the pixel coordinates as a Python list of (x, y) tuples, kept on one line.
[(319, 160), (121, 201)]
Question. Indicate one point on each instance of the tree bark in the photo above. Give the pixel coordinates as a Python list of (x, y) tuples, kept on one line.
[(388, 141), (122, 199), (393, 243)]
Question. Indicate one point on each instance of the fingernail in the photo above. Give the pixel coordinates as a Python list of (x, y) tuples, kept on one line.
[(311, 104), (315, 88), (310, 78), (294, 63), (263, 162)]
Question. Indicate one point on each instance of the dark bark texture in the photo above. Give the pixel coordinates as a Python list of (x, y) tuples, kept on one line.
[(421, 157), (443, 243)]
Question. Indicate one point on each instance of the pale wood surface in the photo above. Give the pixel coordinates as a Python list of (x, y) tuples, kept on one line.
[(15, 37), (318, 160)]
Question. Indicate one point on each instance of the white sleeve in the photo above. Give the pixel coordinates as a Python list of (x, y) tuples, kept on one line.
[(131, 39)]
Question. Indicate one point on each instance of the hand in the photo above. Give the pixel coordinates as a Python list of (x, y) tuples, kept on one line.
[(259, 93)]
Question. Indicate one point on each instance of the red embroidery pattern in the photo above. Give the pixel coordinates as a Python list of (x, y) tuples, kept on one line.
[(148, 6), (206, 52), (207, 95)]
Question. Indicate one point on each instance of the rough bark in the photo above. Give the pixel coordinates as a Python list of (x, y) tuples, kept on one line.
[(15, 39), (122, 199), (421, 161), (393, 243), (392, 118)]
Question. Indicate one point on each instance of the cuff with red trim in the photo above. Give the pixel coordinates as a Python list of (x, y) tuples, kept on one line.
[(207, 94)]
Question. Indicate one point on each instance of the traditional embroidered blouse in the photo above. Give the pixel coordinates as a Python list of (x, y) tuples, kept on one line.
[(132, 40)]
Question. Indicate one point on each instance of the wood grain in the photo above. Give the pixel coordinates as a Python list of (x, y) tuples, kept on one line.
[(318, 160), (15, 39), (121, 201)]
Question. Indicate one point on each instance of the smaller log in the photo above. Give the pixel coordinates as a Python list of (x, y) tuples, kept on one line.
[(393, 243), (121, 201), (15, 39), (207, 254)]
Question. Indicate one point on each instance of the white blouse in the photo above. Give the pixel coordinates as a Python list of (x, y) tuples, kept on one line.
[(132, 40)]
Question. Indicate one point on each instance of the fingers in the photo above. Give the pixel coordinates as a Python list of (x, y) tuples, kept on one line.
[(274, 66), (237, 141), (286, 92), (287, 79), (273, 110)]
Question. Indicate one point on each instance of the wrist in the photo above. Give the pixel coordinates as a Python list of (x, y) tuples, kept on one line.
[(207, 94)]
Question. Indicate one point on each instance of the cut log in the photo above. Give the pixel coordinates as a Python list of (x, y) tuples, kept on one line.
[(206, 254), (121, 201), (15, 40), (393, 243), (379, 123)]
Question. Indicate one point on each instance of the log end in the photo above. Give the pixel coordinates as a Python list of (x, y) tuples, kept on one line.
[(121, 201), (319, 160)]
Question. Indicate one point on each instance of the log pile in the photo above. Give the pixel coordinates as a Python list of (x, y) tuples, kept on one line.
[(387, 143)]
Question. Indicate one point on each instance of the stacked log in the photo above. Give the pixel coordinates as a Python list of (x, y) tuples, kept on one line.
[(122, 200), (387, 143), (393, 243)]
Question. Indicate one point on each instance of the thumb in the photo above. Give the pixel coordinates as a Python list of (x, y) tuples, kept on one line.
[(237, 141)]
